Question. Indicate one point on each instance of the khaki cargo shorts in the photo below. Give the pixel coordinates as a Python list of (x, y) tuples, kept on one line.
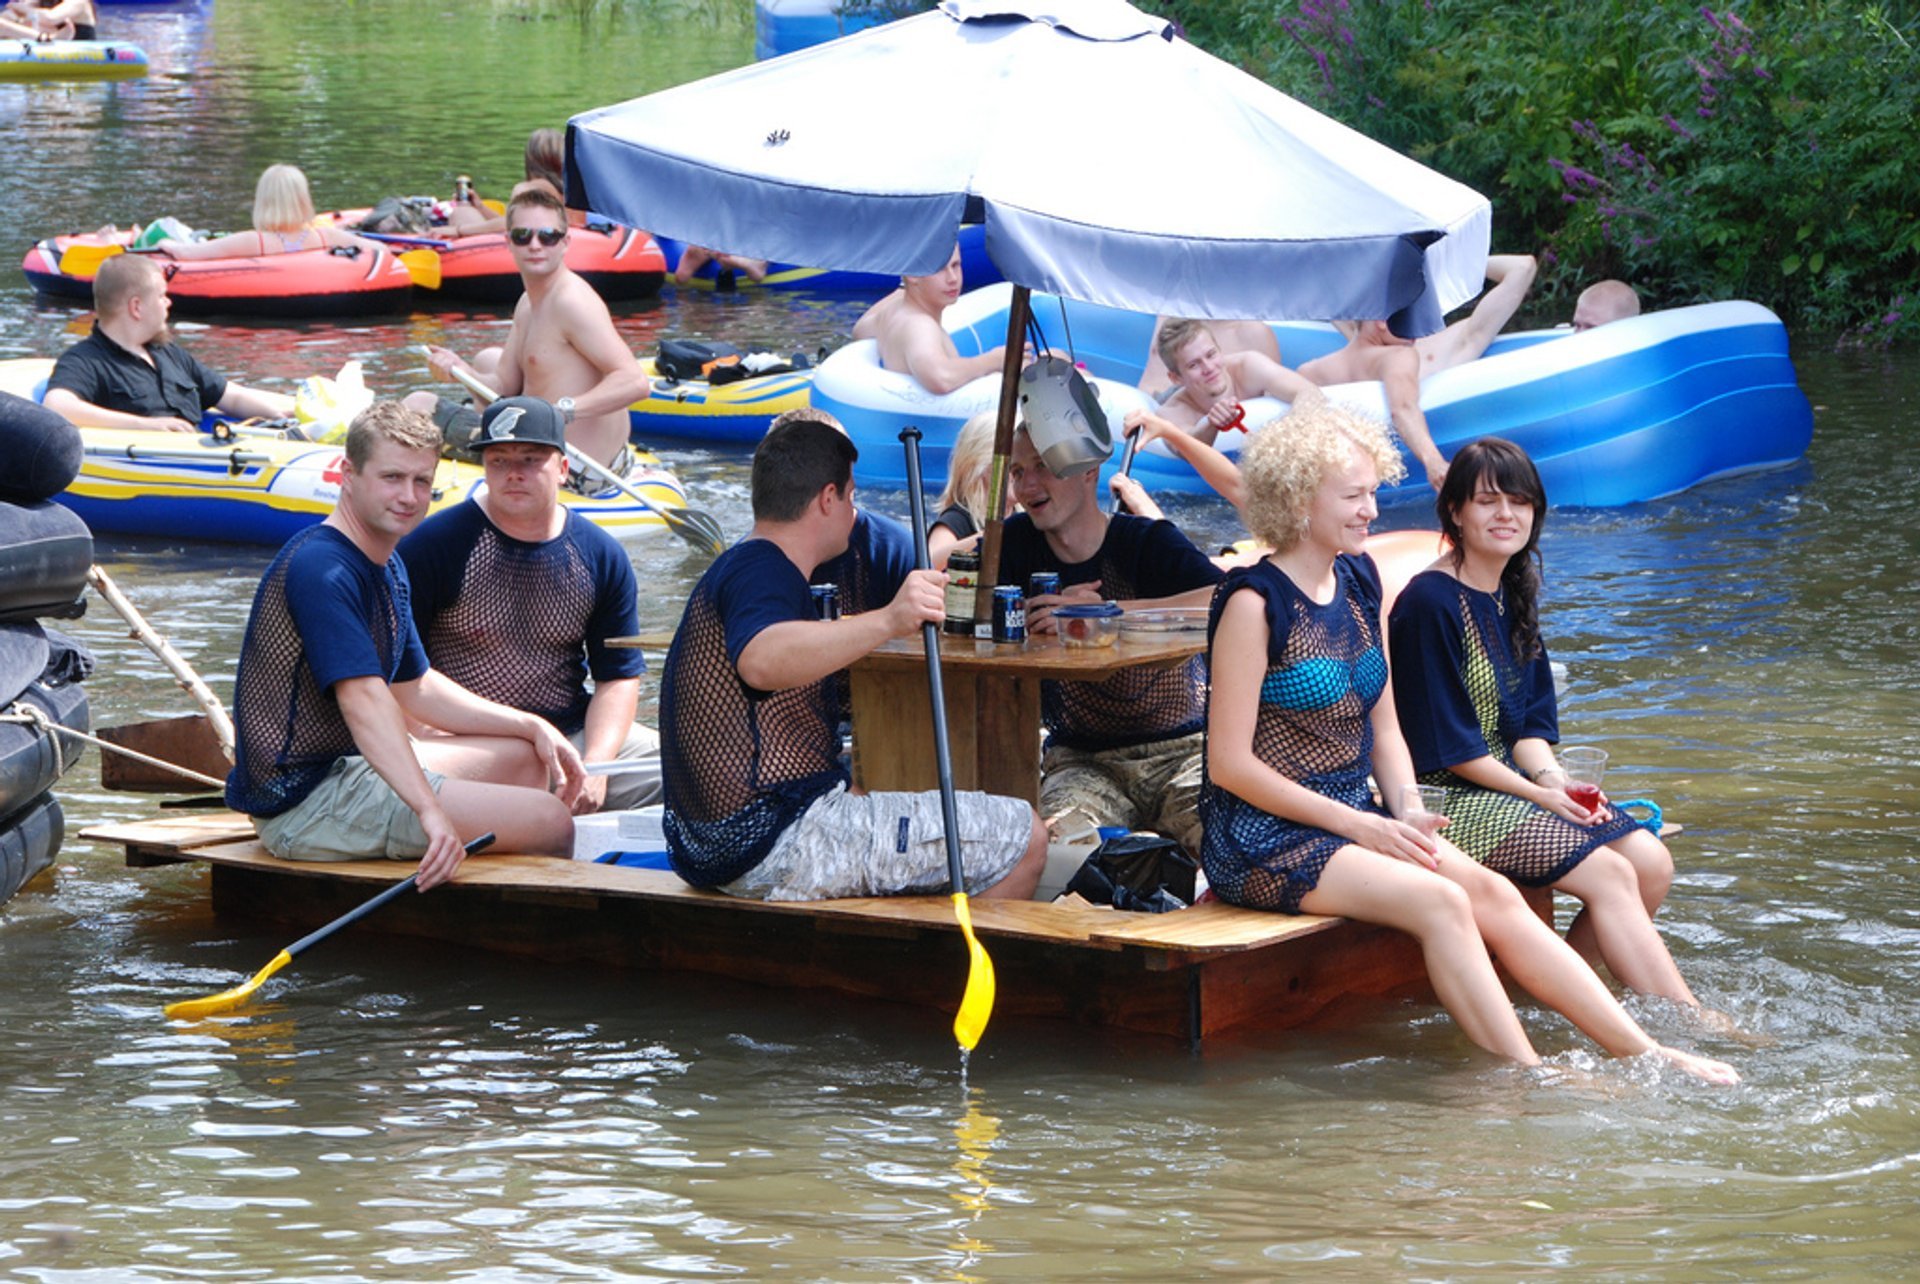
[(352, 814)]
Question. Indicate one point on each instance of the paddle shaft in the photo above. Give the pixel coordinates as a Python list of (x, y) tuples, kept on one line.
[(703, 532), (1126, 465), (930, 637), (365, 908)]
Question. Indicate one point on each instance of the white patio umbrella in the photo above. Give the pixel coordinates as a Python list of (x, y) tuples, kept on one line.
[(1111, 162)]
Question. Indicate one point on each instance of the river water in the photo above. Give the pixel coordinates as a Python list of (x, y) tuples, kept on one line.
[(406, 1112)]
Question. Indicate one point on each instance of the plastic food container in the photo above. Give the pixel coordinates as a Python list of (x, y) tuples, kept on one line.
[(1168, 624), (1088, 625)]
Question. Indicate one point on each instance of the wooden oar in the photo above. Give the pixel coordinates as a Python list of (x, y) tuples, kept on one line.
[(194, 1009), (976, 1003), (700, 529)]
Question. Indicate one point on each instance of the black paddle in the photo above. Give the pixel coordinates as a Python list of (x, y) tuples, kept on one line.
[(976, 1004)]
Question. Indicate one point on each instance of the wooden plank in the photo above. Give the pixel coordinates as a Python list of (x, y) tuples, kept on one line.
[(173, 837), (1039, 657), (186, 741), (1185, 975)]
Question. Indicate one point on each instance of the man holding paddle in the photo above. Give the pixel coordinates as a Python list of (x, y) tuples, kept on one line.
[(331, 671), (129, 373), (758, 798), (562, 347), (515, 597)]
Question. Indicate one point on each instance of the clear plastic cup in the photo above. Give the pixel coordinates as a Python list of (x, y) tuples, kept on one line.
[(1584, 763), (1428, 798)]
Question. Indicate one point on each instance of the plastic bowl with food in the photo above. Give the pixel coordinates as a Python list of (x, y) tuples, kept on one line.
[(1165, 624), (1088, 624)]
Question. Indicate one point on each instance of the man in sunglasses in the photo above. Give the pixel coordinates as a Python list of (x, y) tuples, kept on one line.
[(562, 347)]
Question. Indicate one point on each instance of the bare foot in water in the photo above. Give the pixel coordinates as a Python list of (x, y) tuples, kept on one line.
[(1718, 1073)]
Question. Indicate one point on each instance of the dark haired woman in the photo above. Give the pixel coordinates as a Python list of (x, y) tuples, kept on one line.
[(1475, 699)]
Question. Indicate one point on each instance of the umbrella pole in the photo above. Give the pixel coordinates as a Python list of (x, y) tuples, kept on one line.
[(1017, 313)]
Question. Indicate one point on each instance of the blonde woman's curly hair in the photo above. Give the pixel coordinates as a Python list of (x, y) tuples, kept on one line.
[(1287, 461)]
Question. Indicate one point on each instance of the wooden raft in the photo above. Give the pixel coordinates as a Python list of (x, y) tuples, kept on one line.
[(1185, 975)]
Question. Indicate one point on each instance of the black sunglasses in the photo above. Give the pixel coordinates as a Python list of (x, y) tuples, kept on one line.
[(549, 236)]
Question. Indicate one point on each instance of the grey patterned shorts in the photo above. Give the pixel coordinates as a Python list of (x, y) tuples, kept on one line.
[(1152, 786), (888, 844)]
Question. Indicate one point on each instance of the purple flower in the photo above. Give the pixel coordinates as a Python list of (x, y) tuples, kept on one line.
[(1704, 113), (1677, 127), (1892, 318), (1569, 198), (1763, 73)]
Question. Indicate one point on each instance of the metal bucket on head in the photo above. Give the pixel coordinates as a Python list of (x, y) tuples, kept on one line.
[(1064, 418)]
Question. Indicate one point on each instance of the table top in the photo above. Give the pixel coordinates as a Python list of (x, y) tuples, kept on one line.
[(1039, 656)]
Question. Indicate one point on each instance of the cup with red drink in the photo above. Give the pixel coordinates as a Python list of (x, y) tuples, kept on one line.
[(1585, 767)]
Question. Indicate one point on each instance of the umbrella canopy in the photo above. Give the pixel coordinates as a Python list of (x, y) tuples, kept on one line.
[(1111, 162)]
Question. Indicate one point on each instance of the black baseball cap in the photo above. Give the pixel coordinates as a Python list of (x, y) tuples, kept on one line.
[(532, 420)]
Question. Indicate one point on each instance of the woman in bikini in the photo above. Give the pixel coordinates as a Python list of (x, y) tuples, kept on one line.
[(282, 224)]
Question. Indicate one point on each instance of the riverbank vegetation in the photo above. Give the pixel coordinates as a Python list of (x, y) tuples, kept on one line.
[(1762, 151)]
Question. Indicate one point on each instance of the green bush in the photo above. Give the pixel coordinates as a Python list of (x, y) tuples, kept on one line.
[(1766, 151)]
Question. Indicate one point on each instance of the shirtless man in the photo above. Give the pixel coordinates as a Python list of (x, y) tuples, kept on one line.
[(912, 341), (562, 347), (1210, 384), (1512, 276), (1232, 336), (1605, 301), (1375, 354), (51, 19)]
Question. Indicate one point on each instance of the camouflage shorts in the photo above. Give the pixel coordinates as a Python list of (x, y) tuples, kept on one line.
[(1152, 786), (888, 844)]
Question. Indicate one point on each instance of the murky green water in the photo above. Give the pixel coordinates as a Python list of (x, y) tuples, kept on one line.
[(404, 1112)]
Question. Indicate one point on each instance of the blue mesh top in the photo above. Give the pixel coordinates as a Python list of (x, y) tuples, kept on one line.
[(324, 612), (1139, 558), (1326, 668), (520, 623), (1444, 632), (878, 559), (740, 764)]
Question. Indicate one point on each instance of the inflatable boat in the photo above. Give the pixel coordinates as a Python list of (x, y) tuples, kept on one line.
[(735, 413), (976, 268), (70, 60), (784, 26), (261, 489), (1622, 413), (621, 263), (349, 281)]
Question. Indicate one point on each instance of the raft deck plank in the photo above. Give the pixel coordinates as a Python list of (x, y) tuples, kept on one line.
[(1185, 975)]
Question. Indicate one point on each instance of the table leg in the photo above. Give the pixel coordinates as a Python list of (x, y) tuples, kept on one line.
[(993, 727)]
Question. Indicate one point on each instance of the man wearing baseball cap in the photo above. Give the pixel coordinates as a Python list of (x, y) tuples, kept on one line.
[(332, 676), (515, 597)]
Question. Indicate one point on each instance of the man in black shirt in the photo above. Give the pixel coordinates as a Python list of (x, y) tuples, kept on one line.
[(130, 374), (1125, 750)]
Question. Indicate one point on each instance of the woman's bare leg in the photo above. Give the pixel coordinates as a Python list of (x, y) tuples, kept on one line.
[(1372, 888), (1547, 968), (1608, 886), (1652, 865)]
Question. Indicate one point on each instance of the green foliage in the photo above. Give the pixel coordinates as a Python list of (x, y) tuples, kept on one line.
[(1762, 151)]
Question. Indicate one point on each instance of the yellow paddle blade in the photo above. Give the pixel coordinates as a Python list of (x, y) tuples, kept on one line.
[(85, 260), (492, 206), (976, 1005), (194, 1009), (423, 266)]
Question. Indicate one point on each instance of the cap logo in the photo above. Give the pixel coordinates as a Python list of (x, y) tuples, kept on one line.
[(501, 429)]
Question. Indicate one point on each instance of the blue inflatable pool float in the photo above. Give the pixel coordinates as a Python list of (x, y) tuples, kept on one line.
[(785, 26), (1615, 415), (976, 270)]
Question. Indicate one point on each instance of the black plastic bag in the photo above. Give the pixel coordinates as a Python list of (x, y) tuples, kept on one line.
[(1145, 873)]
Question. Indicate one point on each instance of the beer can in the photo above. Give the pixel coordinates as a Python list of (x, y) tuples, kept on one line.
[(1009, 614), (963, 572), (826, 601), (1043, 583)]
